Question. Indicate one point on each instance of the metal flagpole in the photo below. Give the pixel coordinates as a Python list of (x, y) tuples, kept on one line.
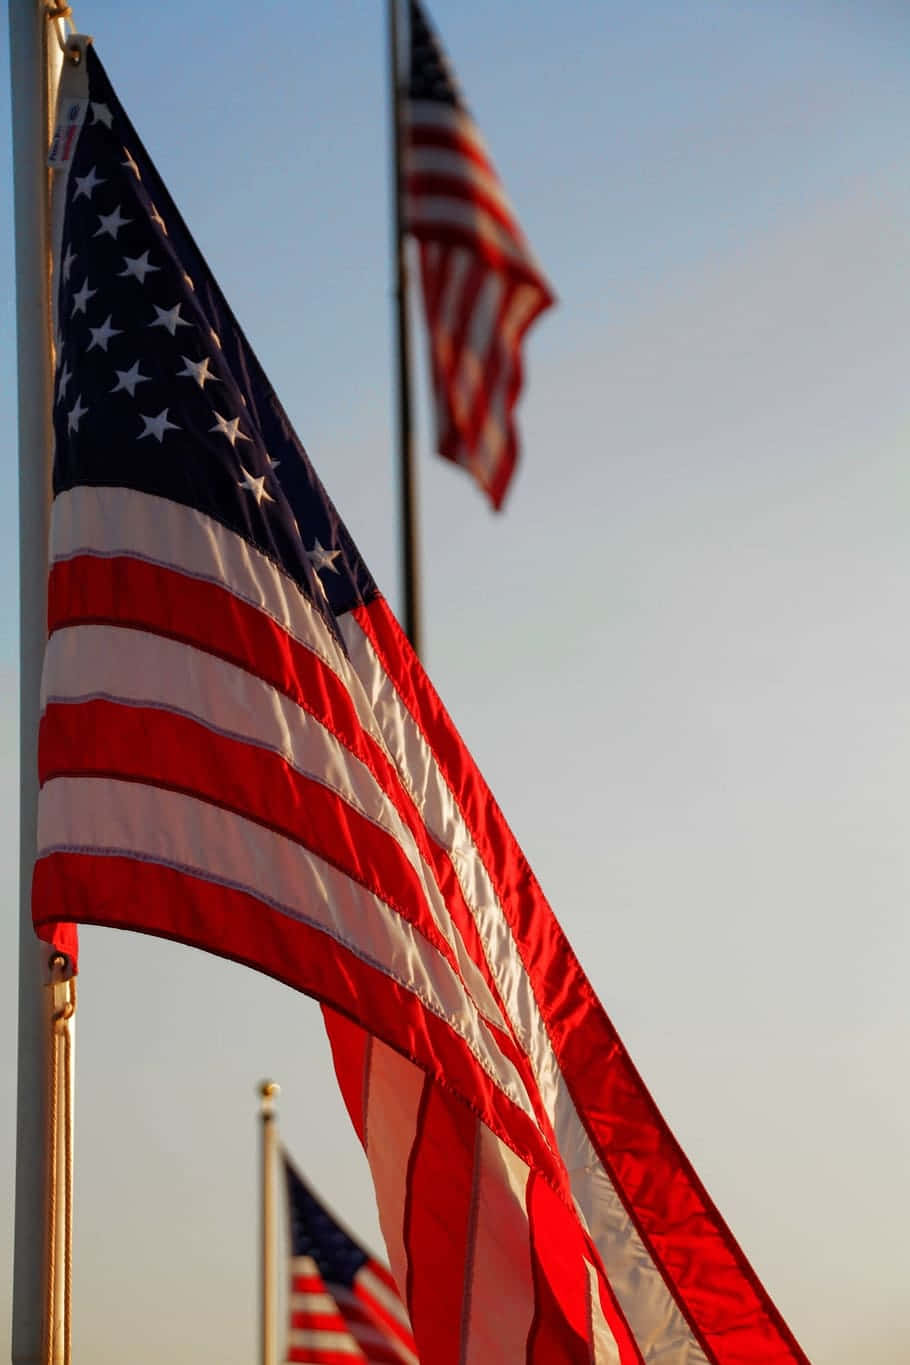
[(407, 470), (41, 1297), (268, 1091)]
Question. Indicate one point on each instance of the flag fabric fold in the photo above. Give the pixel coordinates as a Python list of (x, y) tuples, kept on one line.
[(240, 751), (343, 1304), (482, 287)]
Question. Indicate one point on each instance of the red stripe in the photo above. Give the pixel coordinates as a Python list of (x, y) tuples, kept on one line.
[(350, 1045), (322, 1355), (155, 899), (307, 1284), (718, 1291), (450, 139), (318, 1322), (312, 1355), (438, 1225)]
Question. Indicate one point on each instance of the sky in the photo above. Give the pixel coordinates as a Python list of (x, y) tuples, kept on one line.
[(679, 655)]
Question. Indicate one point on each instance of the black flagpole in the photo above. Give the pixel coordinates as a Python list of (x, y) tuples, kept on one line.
[(407, 472)]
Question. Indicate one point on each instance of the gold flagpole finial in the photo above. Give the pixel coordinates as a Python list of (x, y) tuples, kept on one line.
[(268, 1093)]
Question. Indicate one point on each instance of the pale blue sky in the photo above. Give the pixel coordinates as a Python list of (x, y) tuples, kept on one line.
[(680, 656)]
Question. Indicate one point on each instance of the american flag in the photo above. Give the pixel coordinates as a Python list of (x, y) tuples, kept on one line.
[(343, 1303), (239, 750), (482, 287)]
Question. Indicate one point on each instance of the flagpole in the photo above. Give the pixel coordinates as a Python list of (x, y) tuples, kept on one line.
[(43, 1222), (268, 1284), (407, 470)]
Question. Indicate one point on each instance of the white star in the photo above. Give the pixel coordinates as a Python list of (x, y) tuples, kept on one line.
[(255, 486), (189, 281), (66, 375), (272, 464), (82, 297), (128, 379), (156, 426), (68, 260), (321, 558), (75, 415), (138, 267), (171, 320), (156, 218), (85, 184), (196, 369), (102, 335), (228, 429), (111, 223), (101, 114), (215, 337), (130, 164)]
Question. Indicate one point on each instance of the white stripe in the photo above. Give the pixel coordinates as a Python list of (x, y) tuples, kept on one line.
[(109, 818), (394, 1086), (455, 165), (604, 1350), (434, 114), (500, 1304), (302, 1338), (140, 669), (303, 1265), (312, 1303), (646, 1302)]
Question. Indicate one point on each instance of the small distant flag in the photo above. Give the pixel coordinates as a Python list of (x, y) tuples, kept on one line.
[(482, 287), (343, 1304)]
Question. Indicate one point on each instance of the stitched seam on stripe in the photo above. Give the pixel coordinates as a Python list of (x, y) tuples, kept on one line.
[(100, 851), (423, 1105), (455, 857), (217, 582), (252, 742), (56, 917), (468, 1281), (534, 1327), (443, 948), (365, 1085), (395, 828)]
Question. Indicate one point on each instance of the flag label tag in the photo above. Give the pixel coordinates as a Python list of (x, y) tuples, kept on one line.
[(70, 118)]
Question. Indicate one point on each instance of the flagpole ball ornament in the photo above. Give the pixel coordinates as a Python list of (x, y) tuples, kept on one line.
[(268, 1093)]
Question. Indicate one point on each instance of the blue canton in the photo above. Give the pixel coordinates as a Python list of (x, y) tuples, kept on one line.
[(157, 389), (315, 1233)]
